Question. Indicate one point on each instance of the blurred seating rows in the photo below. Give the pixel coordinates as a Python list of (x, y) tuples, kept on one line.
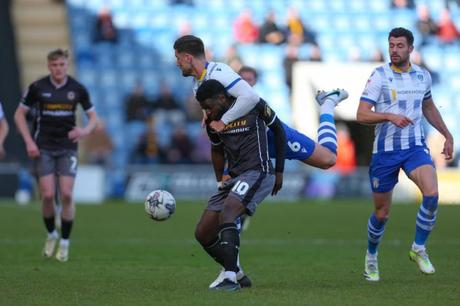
[(147, 30)]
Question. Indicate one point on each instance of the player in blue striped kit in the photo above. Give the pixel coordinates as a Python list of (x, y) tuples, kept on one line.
[(400, 93)]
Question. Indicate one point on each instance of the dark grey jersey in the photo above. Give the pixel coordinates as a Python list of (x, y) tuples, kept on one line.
[(245, 141)]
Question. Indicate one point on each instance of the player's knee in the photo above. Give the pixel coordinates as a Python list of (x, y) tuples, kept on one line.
[(329, 161), (66, 197), (200, 235), (48, 197)]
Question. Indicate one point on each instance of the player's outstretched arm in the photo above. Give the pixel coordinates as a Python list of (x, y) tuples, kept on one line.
[(431, 113)]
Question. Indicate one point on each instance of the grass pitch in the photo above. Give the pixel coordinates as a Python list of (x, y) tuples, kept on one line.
[(302, 253)]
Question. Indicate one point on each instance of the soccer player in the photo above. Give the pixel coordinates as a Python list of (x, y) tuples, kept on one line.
[(53, 146), (243, 142), (301, 147), (400, 93), (3, 131)]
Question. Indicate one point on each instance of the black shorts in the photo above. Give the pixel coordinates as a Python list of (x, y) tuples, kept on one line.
[(250, 188), (59, 162)]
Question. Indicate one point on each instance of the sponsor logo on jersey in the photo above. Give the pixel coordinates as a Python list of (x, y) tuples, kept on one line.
[(71, 95), (46, 94)]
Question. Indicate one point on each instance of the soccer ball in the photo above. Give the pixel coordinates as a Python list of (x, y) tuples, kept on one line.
[(160, 205)]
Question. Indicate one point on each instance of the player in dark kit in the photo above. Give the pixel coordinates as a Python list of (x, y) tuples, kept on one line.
[(53, 146), (243, 143)]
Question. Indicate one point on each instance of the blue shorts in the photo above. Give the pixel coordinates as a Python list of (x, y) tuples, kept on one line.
[(384, 168), (298, 145)]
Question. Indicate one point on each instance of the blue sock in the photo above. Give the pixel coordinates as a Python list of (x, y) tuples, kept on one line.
[(426, 218), (327, 136), (375, 230)]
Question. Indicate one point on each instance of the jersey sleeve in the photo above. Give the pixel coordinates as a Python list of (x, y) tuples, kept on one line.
[(30, 96), (213, 137), (85, 100), (428, 85), (267, 114), (246, 97), (372, 90)]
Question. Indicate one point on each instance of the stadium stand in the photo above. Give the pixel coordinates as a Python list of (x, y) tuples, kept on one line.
[(147, 30)]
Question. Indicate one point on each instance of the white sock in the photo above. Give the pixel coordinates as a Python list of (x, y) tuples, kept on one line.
[(328, 107), (64, 242), (372, 256), (418, 247), (53, 234), (231, 276)]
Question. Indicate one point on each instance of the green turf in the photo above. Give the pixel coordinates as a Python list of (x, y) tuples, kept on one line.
[(296, 254)]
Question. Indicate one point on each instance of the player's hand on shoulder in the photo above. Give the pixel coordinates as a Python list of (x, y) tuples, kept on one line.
[(278, 183), (76, 134), (217, 126), (400, 120)]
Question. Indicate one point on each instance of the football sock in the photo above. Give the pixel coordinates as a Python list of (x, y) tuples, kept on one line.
[(66, 227), (64, 242), (215, 250), (426, 218), (49, 224), (230, 243), (375, 230), (327, 136)]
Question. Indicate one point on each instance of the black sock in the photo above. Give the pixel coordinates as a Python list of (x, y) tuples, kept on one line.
[(230, 244), (49, 224), (215, 250), (66, 227)]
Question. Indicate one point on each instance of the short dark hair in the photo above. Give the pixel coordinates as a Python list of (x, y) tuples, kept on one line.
[(402, 32), (248, 69), (209, 89), (57, 53), (189, 44)]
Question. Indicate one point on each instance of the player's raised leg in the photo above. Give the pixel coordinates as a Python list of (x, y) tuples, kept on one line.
[(425, 178), (47, 188), (324, 155)]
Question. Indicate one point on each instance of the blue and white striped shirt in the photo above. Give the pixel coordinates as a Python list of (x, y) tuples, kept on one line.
[(403, 93)]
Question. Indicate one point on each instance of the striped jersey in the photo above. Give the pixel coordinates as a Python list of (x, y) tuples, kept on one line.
[(220, 72), (246, 97), (390, 91)]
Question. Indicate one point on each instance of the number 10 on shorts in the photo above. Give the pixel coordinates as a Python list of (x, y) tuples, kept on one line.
[(240, 188)]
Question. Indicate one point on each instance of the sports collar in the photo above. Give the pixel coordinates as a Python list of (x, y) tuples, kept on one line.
[(396, 69), (203, 74)]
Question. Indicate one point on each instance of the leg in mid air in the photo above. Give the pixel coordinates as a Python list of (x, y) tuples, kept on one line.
[(425, 179), (324, 155), (321, 154)]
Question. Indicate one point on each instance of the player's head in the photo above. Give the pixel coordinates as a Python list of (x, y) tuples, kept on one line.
[(213, 99), (400, 46), (58, 64), (248, 74), (186, 48)]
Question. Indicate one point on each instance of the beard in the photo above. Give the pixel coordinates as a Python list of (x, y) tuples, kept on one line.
[(399, 61)]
